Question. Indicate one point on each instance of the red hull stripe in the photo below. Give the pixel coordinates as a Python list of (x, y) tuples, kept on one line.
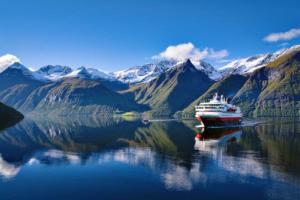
[(221, 119)]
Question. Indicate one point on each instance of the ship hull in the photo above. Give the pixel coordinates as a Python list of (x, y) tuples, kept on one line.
[(219, 120)]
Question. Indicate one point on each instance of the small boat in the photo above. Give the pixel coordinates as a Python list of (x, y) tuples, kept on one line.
[(145, 121), (218, 112)]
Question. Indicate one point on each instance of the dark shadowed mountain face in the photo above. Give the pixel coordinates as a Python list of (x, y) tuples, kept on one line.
[(173, 90), (8, 116)]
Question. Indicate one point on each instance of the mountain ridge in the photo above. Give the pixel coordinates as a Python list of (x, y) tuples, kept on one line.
[(147, 72), (270, 90)]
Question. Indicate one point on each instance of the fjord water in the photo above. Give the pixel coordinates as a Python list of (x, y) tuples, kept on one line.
[(71, 158)]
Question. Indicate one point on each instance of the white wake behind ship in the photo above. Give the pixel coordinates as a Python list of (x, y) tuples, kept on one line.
[(218, 112)]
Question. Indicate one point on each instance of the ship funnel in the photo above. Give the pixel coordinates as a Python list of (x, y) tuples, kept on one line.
[(215, 97)]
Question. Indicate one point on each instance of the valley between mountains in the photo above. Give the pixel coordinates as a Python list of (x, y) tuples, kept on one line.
[(262, 85)]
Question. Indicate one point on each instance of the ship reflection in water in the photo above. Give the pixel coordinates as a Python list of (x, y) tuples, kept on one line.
[(215, 138), (113, 159)]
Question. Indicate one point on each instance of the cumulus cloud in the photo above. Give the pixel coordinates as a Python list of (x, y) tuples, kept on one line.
[(283, 36), (7, 60), (185, 51)]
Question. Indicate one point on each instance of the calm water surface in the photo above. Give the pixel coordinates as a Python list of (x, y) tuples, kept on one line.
[(107, 159)]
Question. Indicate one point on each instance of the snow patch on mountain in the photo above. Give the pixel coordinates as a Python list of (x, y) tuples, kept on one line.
[(143, 73), (250, 64), (57, 72), (246, 65), (78, 73), (148, 72), (89, 73), (98, 74), (208, 69), (54, 72)]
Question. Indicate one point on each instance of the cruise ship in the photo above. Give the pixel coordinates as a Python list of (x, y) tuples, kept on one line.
[(218, 112)]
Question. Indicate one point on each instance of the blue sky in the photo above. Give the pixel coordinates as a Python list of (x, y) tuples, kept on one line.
[(115, 34)]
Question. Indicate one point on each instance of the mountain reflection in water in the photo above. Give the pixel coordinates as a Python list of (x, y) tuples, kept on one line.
[(249, 162)]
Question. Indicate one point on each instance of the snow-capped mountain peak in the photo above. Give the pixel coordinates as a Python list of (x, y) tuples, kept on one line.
[(247, 65), (26, 72), (7, 60), (57, 72), (54, 72), (89, 73), (148, 72), (252, 63), (97, 74), (143, 73), (81, 72), (207, 68)]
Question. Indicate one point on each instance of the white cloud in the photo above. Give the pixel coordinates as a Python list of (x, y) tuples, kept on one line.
[(185, 51), (217, 54), (283, 36), (284, 44), (7, 60)]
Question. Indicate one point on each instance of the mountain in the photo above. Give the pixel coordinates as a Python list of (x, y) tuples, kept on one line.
[(148, 72), (93, 74), (273, 90), (8, 116), (84, 96), (16, 83), (57, 72), (54, 72), (143, 73), (263, 85), (208, 69), (97, 74), (172, 90), (28, 90), (250, 64), (81, 73), (20, 69)]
